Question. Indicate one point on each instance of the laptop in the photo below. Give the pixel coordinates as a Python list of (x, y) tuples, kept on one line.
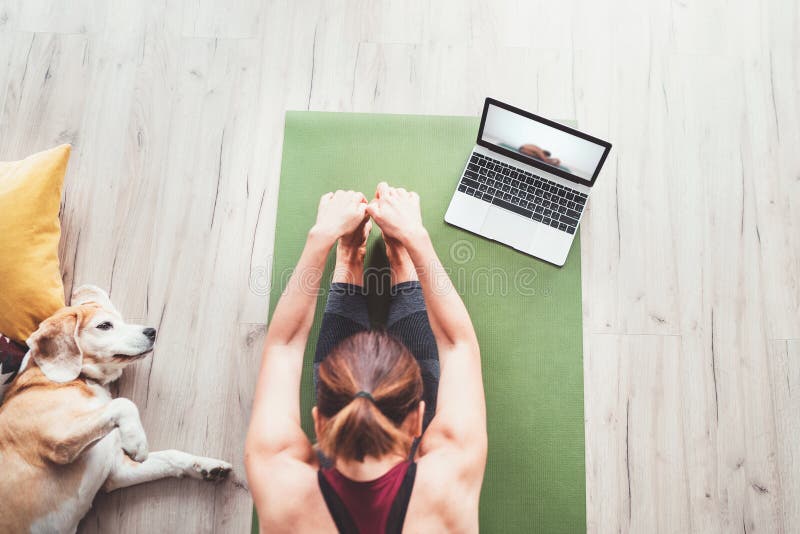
[(527, 182)]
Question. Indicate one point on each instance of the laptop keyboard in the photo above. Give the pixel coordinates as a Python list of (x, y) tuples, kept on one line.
[(524, 193)]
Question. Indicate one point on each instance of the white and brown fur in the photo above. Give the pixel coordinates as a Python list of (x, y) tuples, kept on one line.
[(62, 436)]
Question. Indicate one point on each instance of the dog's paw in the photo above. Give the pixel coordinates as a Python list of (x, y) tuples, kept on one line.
[(134, 443), (209, 469), (132, 436)]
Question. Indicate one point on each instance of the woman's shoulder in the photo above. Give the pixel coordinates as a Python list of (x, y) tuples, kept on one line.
[(287, 497), (443, 496), (447, 464)]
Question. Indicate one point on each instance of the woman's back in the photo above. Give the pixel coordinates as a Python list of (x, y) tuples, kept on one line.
[(441, 500), (378, 391)]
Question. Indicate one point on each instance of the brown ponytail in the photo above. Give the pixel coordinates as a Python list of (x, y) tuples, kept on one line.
[(355, 425)]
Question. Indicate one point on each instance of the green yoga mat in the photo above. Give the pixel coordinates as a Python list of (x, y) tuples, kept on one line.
[(527, 313)]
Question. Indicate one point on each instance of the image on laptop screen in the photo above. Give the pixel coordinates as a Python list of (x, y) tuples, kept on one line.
[(542, 143)]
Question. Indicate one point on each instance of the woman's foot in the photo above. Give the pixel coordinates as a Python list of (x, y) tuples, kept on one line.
[(350, 252), (400, 264)]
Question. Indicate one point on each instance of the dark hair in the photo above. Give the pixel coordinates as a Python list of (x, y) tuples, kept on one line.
[(357, 425)]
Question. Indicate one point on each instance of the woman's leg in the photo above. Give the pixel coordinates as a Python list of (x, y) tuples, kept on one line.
[(408, 321), (346, 308)]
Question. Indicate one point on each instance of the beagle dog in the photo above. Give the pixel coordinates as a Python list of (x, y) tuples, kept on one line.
[(62, 436)]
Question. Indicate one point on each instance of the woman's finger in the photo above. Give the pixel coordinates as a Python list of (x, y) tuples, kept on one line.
[(381, 189), (373, 209)]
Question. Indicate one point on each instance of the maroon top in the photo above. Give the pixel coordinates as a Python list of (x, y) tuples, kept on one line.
[(370, 502)]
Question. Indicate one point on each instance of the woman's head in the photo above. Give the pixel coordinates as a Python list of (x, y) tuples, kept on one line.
[(368, 398)]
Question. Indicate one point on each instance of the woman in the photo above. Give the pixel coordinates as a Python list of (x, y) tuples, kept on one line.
[(373, 470)]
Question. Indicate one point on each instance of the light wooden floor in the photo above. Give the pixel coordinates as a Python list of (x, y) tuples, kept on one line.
[(691, 245)]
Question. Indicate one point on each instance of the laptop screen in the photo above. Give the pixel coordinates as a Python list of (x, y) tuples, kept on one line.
[(541, 143)]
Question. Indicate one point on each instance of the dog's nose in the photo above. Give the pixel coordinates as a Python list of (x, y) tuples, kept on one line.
[(150, 332)]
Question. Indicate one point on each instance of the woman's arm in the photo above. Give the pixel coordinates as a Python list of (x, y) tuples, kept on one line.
[(275, 421), (460, 408), (460, 418)]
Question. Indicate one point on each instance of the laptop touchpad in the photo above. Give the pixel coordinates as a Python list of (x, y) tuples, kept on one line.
[(508, 228)]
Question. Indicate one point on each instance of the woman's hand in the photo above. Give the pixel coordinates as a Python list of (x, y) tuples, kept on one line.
[(397, 212), (339, 213)]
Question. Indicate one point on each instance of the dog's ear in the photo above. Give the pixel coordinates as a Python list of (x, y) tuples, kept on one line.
[(54, 346), (89, 293)]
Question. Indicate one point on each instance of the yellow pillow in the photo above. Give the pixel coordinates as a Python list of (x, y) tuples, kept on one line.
[(30, 278)]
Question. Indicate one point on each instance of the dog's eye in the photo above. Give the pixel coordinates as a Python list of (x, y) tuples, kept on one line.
[(105, 326)]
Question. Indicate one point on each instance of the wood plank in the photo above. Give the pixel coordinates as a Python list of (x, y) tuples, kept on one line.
[(9, 16), (78, 16), (214, 19), (635, 456), (37, 114), (659, 460), (785, 386)]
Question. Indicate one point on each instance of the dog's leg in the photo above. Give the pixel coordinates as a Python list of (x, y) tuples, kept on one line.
[(63, 444), (163, 464)]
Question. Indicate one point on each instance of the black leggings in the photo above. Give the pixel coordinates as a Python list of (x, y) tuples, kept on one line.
[(346, 314)]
